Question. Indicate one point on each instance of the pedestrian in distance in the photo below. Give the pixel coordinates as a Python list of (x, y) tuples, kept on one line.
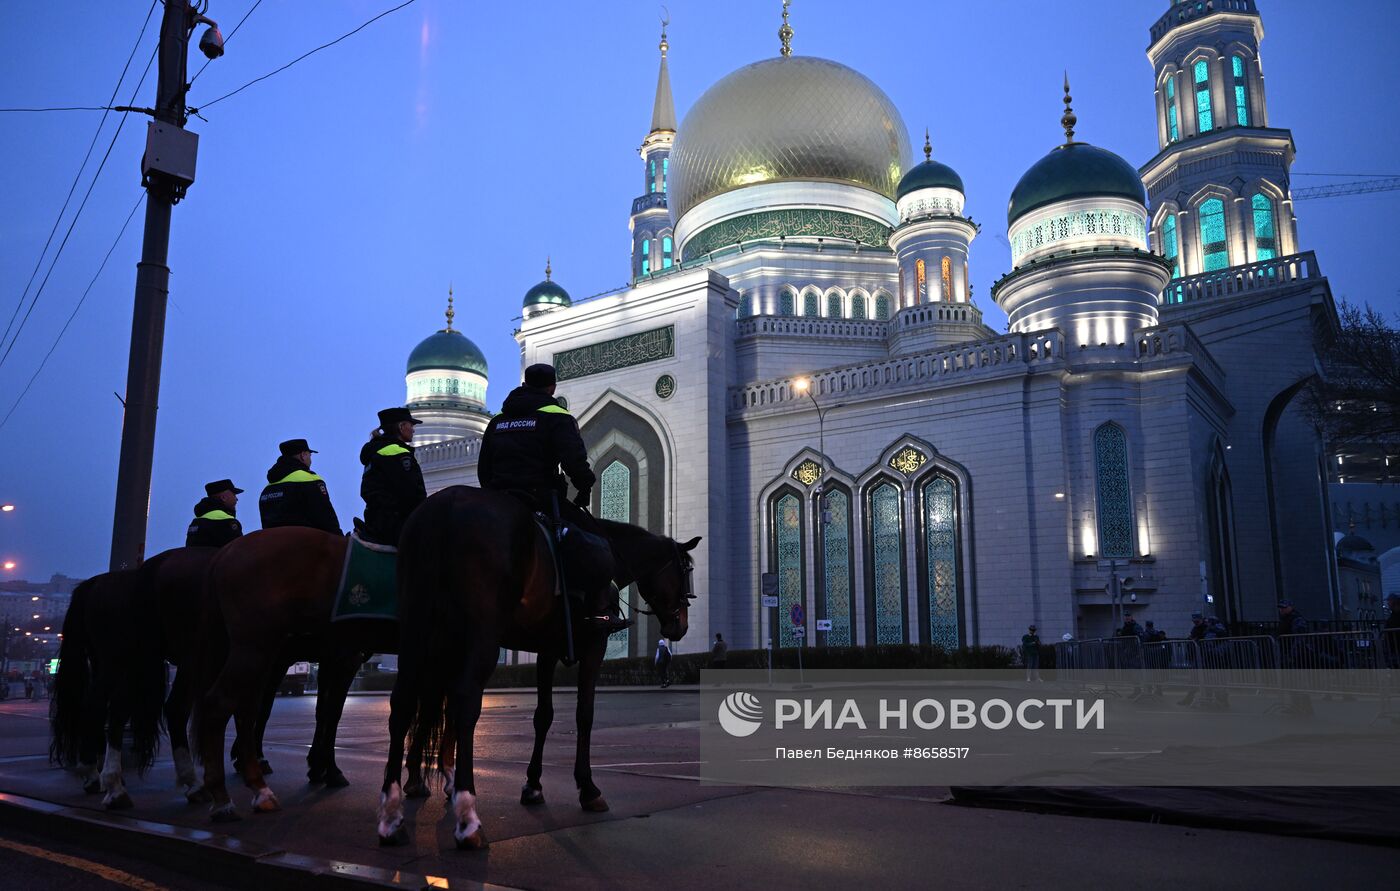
[(719, 653), (294, 496), (1297, 653), (663, 662), (1151, 635), (1198, 627), (215, 517), (1130, 628), (1030, 654)]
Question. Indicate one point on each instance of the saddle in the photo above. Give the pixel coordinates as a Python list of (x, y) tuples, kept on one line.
[(368, 585), (585, 560)]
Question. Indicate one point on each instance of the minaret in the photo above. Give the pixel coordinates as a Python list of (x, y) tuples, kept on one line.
[(1219, 187), (652, 245)]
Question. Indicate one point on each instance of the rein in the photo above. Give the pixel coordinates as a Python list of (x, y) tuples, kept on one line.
[(687, 567)]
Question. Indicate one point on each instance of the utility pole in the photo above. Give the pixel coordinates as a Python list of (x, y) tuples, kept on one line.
[(167, 170)]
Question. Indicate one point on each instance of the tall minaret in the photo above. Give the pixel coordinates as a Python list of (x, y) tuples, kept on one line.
[(1219, 187), (652, 245)]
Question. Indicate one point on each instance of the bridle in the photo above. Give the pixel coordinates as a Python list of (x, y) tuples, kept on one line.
[(683, 560)]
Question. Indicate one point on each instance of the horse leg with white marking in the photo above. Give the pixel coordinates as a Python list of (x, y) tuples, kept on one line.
[(464, 710), (402, 703), (533, 792), (116, 797), (177, 718)]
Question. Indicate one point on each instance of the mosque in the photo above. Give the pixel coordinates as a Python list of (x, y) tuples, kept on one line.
[(799, 372)]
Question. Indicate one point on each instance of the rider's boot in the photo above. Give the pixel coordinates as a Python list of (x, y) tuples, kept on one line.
[(604, 612)]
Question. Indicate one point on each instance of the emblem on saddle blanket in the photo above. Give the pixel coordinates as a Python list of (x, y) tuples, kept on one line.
[(368, 587)]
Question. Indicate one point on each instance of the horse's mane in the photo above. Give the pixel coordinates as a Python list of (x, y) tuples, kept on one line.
[(619, 531)]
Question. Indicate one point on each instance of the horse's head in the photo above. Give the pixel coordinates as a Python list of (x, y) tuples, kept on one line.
[(667, 589)]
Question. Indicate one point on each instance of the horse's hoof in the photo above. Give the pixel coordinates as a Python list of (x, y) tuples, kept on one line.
[(224, 814), (316, 775), (265, 802), (415, 789), (119, 803), (92, 787), (198, 795), (531, 795), (395, 839), (474, 842), (596, 806), (265, 767), (335, 779)]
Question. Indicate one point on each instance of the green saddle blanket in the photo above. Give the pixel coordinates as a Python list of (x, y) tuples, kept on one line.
[(368, 587)]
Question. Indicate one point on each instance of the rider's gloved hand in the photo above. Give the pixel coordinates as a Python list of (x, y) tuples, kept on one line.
[(582, 498)]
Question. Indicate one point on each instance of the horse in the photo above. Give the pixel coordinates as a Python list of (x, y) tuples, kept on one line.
[(270, 595), (475, 574)]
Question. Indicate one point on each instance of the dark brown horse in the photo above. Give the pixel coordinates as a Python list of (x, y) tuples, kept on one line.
[(476, 574)]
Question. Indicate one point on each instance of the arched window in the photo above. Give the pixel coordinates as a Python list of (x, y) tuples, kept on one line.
[(882, 307), (651, 176), (745, 306), (947, 278), (1204, 120), (785, 520), (1215, 249), (1115, 498), (646, 256), (1265, 236), (942, 576), (785, 304), (665, 174), (809, 304), (666, 260), (1171, 245), (615, 497), (1241, 93), (885, 545), (921, 283), (1173, 132), (833, 306), (836, 563), (858, 306)]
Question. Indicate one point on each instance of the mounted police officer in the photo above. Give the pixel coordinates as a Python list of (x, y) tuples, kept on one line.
[(522, 451), (215, 517), (392, 485), (294, 496)]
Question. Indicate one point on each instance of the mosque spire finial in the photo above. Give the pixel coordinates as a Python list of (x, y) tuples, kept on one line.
[(665, 20), (785, 32), (1069, 120), (451, 313), (547, 270), (663, 109), (928, 147)]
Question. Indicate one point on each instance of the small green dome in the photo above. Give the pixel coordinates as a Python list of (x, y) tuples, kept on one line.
[(546, 293), (930, 175), (1074, 170), (447, 350)]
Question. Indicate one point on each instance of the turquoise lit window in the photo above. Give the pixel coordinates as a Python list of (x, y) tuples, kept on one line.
[(887, 564), (1204, 121), (857, 307), (1173, 132), (615, 503), (785, 304), (1241, 93), (745, 306), (940, 522), (666, 260), (1265, 236), (833, 306), (651, 177), (809, 304), (787, 554), (1171, 245), (665, 173), (882, 308), (1215, 250), (836, 568), (1114, 496), (646, 256)]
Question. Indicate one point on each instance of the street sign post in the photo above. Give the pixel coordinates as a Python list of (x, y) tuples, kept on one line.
[(823, 624), (768, 590), (770, 601)]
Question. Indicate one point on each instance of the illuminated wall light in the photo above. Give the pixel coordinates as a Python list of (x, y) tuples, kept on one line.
[(1059, 496), (1088, 536)]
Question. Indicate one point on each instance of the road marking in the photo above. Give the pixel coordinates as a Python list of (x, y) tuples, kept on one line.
[(110, 873), (647, 763)]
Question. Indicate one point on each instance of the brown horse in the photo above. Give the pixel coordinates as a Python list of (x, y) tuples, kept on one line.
[(476, 574)]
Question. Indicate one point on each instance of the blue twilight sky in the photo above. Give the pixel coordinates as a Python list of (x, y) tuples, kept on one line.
[(462, 142)]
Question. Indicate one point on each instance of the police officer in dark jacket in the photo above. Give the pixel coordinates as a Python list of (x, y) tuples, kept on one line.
[(524, 448), (215, 517), (294, 496), (392, 485)]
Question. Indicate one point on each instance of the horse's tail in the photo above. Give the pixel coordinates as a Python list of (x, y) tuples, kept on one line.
[(146, 675), (211, 649), (430, 657), (72, 682)]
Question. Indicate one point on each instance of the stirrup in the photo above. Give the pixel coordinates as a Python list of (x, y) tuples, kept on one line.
[(609, 623)]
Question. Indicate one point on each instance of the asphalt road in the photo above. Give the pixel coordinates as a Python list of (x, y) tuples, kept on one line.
[(665, 827)]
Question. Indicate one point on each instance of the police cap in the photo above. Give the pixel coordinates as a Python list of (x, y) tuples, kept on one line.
[(541, 375), (392, 417), (218, 486), (295, 447)]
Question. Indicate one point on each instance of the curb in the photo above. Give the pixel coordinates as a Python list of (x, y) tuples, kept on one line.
[(194, 851)]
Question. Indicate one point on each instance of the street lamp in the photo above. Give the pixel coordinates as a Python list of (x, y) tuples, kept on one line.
[(9, 564), (7, 508), (804, 386)]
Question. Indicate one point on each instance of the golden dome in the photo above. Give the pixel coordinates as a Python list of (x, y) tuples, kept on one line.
[(797, 118)]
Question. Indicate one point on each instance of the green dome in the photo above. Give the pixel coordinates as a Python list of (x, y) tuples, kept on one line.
[(930, 175), (546, 293), (447, 350), (1074, 170)]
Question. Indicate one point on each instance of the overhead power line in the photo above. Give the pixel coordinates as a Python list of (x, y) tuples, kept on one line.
[(81, 300), (196, 110)]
